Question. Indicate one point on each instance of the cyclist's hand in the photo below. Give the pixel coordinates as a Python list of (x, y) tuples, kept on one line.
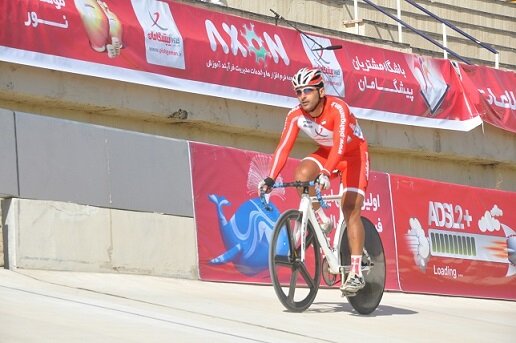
[(323, 181), (265, 186)]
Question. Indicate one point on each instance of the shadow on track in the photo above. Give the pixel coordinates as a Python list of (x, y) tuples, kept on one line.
[(382, 310)]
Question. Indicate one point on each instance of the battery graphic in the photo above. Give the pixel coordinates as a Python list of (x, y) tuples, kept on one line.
[(468, 246), (476, 247)]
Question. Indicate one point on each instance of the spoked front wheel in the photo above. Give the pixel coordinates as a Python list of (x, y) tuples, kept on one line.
[(373, 261), (295, 282)]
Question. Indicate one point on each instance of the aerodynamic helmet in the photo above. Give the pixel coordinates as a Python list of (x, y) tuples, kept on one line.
[(306, 77)]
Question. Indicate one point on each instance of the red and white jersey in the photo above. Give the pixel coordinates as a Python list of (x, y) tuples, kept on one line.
[(336, 131)]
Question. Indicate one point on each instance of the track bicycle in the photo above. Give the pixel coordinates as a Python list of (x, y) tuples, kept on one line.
[(300, 253)]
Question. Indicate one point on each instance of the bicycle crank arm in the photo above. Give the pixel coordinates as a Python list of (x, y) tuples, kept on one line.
[(364, 268)]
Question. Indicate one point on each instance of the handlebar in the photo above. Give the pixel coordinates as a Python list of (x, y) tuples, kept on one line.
[(296, 184)]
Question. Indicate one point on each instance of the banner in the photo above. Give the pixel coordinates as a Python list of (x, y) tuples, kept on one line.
[(438, 238), (233, 228), (493, 93), (173, 45), (454, 240)]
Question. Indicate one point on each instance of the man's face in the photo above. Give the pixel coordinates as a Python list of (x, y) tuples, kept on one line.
[(309, 97)]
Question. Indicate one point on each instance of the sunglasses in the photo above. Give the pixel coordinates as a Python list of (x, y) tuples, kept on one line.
[(305, 91)]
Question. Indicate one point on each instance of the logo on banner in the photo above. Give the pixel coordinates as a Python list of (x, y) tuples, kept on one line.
[(163, 41), (446, 238), (432, 84), (155, 21), (255, 45), (231, 41), (326, 61)]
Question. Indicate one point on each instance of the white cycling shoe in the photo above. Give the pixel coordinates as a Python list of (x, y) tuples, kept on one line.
[(353, 284)]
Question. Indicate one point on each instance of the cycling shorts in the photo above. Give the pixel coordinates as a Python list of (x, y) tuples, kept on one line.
[(353, 169)]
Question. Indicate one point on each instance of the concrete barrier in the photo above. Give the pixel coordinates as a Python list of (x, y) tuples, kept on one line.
[(64, 236)]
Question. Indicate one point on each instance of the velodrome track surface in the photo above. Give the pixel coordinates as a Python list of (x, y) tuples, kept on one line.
[(49, 306)]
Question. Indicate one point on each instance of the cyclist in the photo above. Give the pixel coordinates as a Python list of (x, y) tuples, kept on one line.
[(342, 151)]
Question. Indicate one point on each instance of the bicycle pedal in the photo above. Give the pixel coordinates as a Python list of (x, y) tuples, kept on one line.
[(347, 294)]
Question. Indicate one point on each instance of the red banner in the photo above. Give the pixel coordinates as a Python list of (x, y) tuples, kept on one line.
[(493, 93), (233, 229), (378, 209), (438, 238), (455, 240), (177, 46)]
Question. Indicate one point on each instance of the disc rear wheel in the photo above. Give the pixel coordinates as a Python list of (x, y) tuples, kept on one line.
[(368, 298)]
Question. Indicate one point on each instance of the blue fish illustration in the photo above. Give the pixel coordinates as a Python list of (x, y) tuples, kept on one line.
[(246, 235)]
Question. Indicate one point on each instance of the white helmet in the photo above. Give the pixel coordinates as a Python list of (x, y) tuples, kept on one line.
[(307, 77)]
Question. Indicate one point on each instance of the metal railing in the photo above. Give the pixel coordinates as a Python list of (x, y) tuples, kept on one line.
[(444, 22), (456, 29)]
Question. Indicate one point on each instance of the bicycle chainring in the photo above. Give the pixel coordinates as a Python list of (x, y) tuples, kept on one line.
[(329, 278)]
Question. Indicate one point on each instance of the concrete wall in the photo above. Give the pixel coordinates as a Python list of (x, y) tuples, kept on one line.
[(63, 236), (55, 159), (105, 169), (8, 162), (3, 238)]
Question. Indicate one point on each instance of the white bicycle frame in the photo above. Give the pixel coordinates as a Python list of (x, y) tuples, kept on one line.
[(332, 252)]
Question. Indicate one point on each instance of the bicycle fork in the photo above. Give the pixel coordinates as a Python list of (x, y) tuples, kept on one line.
[(300, 232)]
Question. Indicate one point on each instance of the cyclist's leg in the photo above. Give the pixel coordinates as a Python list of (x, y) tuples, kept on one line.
[(308, 169), (354, 177), (355, 174), (351, 207)]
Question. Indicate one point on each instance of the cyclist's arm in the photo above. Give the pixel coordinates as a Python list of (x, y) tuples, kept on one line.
[(340, 133), (288, 137)]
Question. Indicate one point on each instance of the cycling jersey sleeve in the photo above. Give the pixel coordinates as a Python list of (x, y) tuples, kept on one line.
[(288, 137), (340, 133)]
